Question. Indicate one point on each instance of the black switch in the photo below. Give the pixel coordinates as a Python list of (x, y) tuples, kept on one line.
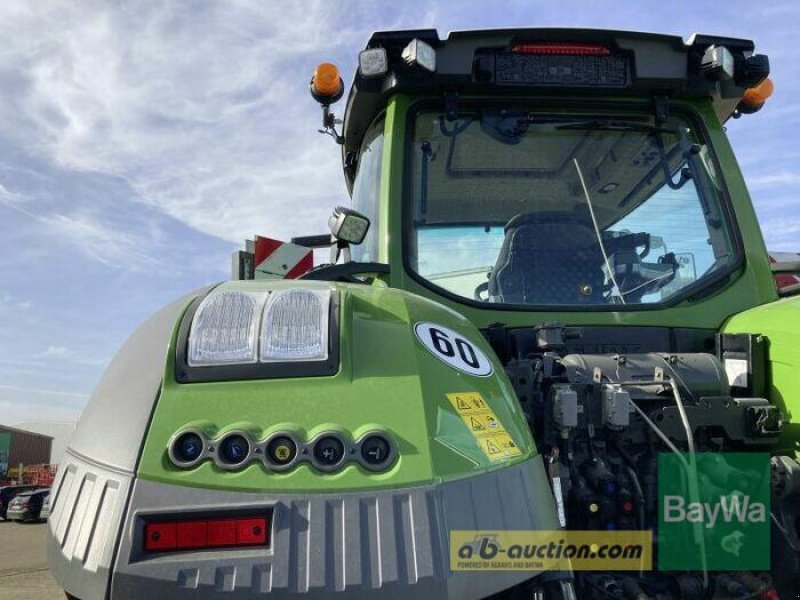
[(328, 451), (282, 450), (375, 450)]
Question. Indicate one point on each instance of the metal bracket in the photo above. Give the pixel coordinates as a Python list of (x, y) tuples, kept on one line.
[(451, 105), (329, 123), (658, 374), (661, 106)]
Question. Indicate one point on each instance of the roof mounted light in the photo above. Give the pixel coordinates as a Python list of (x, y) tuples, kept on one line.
[(372, 62), (326, 84), (563, 48), (756, 96), (717, 63), (419, 53)]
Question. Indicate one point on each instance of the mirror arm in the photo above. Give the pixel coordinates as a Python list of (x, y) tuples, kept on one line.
[(339, 248)]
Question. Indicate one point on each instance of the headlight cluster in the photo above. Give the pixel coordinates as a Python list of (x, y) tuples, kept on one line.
[(237, 335), (293, 326), (281, 451)]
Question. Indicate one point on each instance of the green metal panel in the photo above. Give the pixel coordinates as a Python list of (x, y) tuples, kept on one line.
[(780, 323), (388, 380), (5, 452), (751, 287)]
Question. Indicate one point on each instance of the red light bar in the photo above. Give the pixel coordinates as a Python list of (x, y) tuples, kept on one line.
[(569, 48), (171, 536)]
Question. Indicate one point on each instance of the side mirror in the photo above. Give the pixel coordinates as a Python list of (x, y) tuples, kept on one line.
[(347, 226)]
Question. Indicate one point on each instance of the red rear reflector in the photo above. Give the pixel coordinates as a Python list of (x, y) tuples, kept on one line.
[(209, 533), (222, 532), (191, 534), (251, 531), (562, 48), (160, 536)]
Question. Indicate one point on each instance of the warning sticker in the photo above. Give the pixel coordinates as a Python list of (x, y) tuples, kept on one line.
[(468, 403), (492, 438), (498, 445)]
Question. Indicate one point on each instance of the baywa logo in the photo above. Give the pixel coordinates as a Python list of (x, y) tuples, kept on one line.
[(714, 511), (735, 507)]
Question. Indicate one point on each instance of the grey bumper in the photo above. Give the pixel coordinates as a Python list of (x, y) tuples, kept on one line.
[(387, 544)]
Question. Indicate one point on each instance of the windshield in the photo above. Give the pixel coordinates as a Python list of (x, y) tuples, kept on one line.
[(515, 207)]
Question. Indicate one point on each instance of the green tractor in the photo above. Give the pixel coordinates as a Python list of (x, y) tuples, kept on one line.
[(555, 320)]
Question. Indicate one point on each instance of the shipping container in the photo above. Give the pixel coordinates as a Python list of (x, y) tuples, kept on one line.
[(18, 446)]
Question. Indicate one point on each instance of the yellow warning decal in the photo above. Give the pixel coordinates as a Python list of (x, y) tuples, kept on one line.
[(486, 428)]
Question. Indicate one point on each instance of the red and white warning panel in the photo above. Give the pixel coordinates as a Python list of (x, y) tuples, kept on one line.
[(267, 258), (274, 258), (785, 282)]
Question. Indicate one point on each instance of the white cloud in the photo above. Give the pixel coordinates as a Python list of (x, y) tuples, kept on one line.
[(204, 113), (108, 244), (774, 179), (20, 403), (43, 391), (782, 234), (62, 353), (55, 351), (9, 304)]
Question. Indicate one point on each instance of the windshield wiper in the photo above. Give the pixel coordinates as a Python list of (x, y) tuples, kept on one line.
[(615, 291), (615, 126)]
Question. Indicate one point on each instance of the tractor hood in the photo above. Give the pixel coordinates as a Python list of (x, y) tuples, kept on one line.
[(398, 364)]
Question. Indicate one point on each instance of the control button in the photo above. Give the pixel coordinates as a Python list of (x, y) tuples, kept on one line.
[(234, 449), (188, 447), (282, 450), (328, 451), (375, 450)]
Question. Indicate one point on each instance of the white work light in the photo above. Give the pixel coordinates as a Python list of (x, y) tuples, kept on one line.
[(224, 329), (372, 62), (718, 63), (295, 326), (348, 225), (419, 53)]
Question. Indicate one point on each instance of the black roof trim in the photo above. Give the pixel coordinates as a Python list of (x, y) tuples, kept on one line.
[(662, 64)]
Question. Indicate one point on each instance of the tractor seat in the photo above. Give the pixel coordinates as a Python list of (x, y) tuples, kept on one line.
[(548, 258)]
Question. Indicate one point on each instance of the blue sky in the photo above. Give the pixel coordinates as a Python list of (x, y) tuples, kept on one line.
[(141, 142)]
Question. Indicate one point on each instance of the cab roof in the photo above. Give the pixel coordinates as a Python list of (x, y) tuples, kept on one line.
[(495, 62)]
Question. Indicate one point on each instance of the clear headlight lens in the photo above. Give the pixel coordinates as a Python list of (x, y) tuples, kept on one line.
[(295, 326), (224, 329)]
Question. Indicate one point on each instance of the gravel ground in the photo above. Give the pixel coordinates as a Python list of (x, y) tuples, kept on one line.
[(23, 565)]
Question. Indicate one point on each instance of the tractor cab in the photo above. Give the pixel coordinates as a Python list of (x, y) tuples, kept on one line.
[(542, 171), (573, 194)]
